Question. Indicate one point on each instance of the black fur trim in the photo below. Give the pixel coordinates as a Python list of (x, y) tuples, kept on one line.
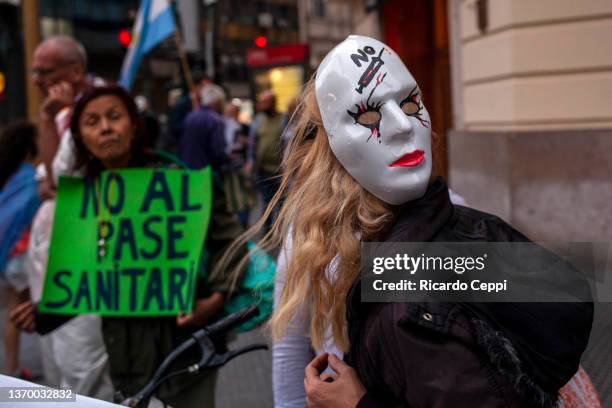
[(505, 358)]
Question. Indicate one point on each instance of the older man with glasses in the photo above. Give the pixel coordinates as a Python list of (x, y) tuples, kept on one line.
[(73, 355), (59, 72)]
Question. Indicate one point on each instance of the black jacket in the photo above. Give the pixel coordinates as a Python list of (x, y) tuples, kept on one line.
[(429, 354)]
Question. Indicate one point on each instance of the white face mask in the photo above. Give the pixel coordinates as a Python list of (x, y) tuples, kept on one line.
[(377, 125)]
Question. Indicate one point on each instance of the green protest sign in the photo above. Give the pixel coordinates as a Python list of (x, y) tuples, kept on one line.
[(127, 243)]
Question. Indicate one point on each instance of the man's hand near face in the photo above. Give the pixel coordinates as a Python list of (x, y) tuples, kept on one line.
[(60, 95)]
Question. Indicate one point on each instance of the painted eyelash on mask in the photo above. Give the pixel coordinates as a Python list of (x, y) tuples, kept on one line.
[(414, 98), (372, 122), (365, 109)]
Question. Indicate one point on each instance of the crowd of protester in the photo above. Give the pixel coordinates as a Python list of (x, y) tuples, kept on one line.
[(87, 353)]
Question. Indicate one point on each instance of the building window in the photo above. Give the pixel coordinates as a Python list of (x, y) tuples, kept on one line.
[(318, 8)]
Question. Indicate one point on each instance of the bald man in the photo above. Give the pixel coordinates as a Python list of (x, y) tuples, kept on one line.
[(74, 354), (59, 71), (59, 59)]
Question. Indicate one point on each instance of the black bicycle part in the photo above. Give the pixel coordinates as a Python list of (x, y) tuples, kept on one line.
[(209, 360)]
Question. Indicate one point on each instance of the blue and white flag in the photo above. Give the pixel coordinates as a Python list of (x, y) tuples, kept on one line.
[(154, 23)]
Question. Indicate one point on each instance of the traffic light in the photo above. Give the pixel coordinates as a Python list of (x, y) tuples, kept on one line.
[(261, 41), (125, 38), (2, 85)]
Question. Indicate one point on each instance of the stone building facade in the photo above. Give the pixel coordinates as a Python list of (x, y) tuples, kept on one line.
[(532, 113)]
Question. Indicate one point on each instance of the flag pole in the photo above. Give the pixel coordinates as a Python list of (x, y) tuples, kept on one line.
[(185, 64)]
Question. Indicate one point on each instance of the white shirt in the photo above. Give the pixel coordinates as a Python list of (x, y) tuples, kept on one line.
[(293, 352), (65, 157), (231, 127)]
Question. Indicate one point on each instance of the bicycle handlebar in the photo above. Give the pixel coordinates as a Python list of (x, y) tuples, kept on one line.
[(202, 338), (228, 322)]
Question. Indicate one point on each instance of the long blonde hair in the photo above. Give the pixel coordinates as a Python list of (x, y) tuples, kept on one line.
[(327, 213)]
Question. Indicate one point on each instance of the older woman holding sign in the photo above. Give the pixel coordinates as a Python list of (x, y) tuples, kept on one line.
[(360, 169), (108, 135)]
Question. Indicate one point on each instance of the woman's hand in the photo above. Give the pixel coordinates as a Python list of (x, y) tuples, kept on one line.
[(22, 316), (45, 189), (203, 310), (342, 390)]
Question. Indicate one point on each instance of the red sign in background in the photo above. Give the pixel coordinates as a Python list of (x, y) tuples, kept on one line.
[(278, 55)]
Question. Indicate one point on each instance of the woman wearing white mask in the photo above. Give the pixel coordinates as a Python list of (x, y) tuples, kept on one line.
[(361, 169)]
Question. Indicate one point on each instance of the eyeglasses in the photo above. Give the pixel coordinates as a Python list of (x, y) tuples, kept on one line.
[(43, 72)]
